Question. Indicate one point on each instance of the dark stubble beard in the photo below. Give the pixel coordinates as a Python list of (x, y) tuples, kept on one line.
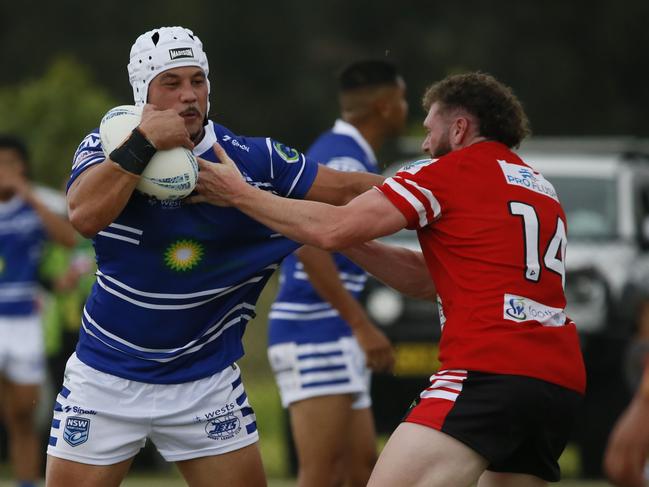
[(198, 136), (443, 147)]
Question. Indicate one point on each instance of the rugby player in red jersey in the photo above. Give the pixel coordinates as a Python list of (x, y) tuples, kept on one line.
[(493, 236)]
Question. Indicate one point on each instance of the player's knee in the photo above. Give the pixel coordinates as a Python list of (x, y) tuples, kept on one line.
[(358, 477), (327, 469), (358, 474)]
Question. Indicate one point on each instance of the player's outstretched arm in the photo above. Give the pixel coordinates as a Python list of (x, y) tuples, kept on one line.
[(340, 187), (58, 229), (323, 275), (366, 217), (397, 267), (628, 446)]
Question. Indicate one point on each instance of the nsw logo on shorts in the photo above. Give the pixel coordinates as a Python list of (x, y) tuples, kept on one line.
[(223, 427), (76, 430)]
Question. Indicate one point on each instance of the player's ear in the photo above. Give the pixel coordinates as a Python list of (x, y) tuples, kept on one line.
[(459, 129)]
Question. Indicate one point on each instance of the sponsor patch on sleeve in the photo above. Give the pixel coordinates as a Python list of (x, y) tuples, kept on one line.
[(414, 167), (287, 153)]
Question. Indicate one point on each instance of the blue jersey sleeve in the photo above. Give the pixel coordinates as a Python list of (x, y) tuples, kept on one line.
[(342, 153), (89, 153), (264, 162), (290, 171)]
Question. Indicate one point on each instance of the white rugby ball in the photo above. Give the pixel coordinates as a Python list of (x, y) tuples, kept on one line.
[(170, 175)]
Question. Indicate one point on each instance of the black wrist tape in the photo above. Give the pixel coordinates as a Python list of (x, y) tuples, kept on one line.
[(134, 154)]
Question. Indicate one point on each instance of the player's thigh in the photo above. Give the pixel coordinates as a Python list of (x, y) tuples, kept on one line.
[(360, 456), (238, 468), (65, 473), (321, 427), (361, 447), (498, 479), (20, 400), (418, 456)]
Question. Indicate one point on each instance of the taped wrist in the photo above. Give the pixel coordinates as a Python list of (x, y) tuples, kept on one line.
[(135, 153)]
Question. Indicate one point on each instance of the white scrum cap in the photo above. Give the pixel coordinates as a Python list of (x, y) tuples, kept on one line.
[(159, 50)]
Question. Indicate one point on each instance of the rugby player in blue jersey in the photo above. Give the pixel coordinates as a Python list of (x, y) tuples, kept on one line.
[(26, 222), (176, 285), (322, 343)]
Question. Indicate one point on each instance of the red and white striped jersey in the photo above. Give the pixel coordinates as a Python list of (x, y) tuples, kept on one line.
[(493, 234)]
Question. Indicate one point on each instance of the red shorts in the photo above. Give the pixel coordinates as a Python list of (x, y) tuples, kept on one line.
[(519, 424)]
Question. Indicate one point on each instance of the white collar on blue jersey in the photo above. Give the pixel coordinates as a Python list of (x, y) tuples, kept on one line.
[(11, 205), (209, 138), (345, 128)]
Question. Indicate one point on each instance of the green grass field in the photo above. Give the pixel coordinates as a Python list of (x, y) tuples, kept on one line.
[(174, 480), (171, 482)]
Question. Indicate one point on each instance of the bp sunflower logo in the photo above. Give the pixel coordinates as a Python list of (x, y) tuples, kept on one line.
[(183, 255)]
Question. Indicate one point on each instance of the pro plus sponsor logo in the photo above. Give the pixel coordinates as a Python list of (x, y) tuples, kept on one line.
[(519, 309), (223, 427), (76, 430), (525, 177), (78, 410), (181, 52)]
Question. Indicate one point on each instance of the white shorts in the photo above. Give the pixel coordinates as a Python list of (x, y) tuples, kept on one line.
[(303, 371), (101, 419), (22, 353)]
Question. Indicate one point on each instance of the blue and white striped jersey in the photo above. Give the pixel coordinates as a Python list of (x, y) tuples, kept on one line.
[(177, 284), (299, 314), (21, 240)]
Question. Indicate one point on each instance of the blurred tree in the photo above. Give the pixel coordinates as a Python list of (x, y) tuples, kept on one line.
[(53, 114)]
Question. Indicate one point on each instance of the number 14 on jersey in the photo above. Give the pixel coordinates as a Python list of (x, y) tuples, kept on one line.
[(555, 253)]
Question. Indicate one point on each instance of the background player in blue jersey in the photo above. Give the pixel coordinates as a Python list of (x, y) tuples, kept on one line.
[(316, 323), (26, 223), (176, 285)]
